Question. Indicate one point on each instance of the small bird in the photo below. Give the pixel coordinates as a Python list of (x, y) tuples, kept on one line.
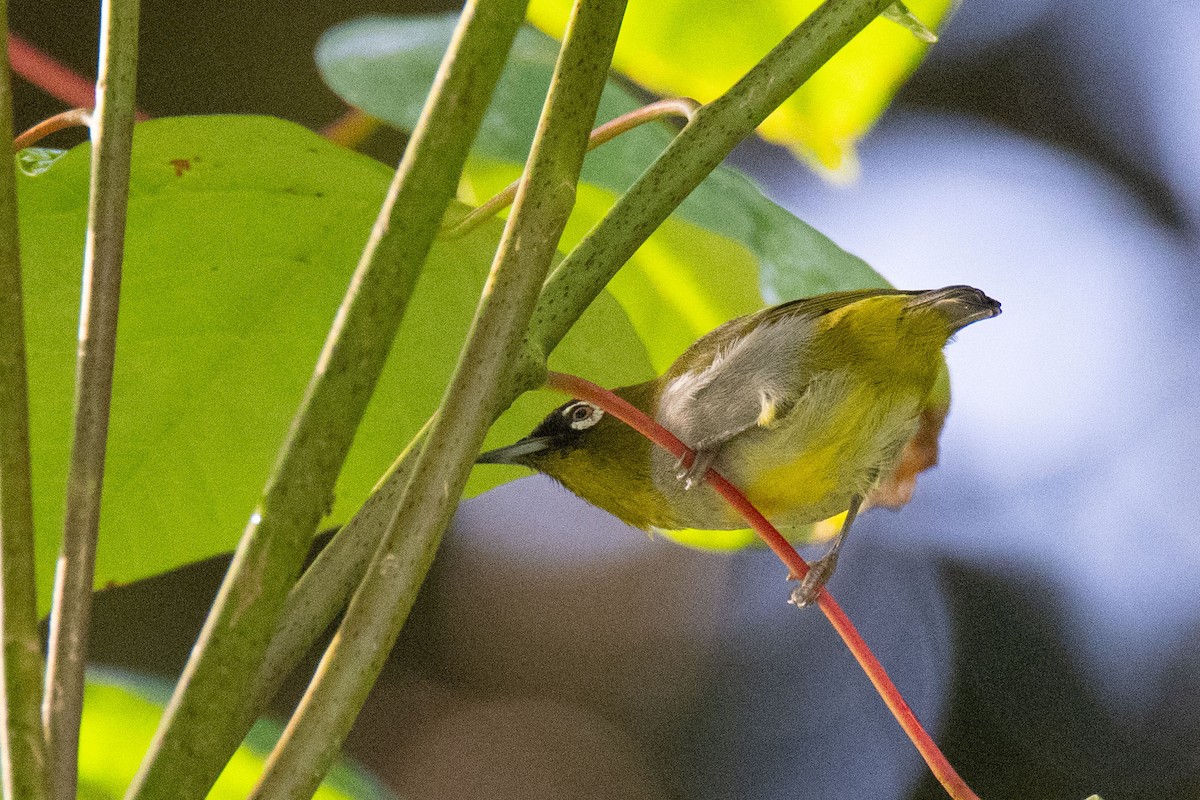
[(805, 407)]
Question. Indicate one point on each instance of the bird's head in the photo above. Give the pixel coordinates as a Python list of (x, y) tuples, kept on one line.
[(573, 431), (596, 456)]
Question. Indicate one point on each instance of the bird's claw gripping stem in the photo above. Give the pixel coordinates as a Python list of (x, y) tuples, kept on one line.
[(819, 573), (821, 570)]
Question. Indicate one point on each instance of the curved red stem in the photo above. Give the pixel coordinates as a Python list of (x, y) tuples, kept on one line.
[(71, 118), (954, 785)]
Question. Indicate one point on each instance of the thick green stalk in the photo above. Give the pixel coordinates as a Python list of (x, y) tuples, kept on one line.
[(474, 396), (24, 768), (327, 585), (703, 143), (199, 730), (104, 252), (319, 595)]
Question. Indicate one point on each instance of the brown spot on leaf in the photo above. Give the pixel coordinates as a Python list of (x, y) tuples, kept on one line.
[(181, 166)]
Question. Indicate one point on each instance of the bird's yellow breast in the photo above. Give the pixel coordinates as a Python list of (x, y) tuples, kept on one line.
[(812, 471)]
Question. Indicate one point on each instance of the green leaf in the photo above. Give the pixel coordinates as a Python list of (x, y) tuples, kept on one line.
[(243, 234), (120, 715), (700, 48), (670, 288), (726, 242)]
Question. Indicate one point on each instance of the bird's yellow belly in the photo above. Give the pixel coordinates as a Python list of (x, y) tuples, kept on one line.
[(797, 477), (808, 466), (807, 487)]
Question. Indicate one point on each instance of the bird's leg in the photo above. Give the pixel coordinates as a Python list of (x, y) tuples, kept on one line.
[(822, 569), (692, 474)]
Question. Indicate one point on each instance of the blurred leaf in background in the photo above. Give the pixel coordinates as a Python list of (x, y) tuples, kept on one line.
[(706, 265), (699, 48), (120, 715)]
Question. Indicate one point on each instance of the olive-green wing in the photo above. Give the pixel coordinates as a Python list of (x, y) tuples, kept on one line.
[(746, 374), (703, 350), (821, 304)]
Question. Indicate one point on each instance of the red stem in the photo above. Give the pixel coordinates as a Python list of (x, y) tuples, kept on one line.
[(71, 118), (52, 77), (954, 785), (350, 129)]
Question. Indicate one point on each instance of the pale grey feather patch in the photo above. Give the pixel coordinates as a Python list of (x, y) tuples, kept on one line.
[(754, 379)]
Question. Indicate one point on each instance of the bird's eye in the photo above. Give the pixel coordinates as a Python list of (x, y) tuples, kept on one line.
[(581, 416)]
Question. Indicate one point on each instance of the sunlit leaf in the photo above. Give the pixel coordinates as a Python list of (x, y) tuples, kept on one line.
[(700, 48), (243, 234), (682, 283), (385, 65), (120, 716)]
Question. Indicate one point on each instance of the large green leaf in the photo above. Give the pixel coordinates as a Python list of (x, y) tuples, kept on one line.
[(385, 66), (243, 233), (700, 48), (120, 715)]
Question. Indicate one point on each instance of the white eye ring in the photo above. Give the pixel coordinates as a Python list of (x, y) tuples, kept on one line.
[(582, 415)]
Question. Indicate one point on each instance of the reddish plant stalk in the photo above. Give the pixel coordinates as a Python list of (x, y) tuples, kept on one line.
[(52, 77), (683, 107), (71, 118), (44, 72), (583, 389)]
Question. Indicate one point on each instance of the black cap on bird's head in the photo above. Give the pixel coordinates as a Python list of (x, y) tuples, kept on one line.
[(564, 429)]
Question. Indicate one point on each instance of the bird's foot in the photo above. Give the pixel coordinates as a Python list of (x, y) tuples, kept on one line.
[(819, 573), (692, 468)]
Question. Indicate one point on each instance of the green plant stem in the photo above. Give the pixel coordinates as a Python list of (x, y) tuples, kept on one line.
[(954, 785), (327, 585), (199, 730), (323, 590), (474, 397), (317, 597), (104, 251), (23, 742), (703, 143)]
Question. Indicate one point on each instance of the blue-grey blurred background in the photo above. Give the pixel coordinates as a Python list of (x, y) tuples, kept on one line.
[(1038, 602)]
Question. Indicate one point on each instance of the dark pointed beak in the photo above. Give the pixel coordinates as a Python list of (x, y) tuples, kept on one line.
[(516, 453)]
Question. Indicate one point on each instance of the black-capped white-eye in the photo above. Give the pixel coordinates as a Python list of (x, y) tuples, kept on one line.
[(582, 415)]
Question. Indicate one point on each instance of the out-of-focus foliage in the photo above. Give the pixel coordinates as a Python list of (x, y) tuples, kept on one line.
[(699, 48), (706, 265), (120, 715)]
